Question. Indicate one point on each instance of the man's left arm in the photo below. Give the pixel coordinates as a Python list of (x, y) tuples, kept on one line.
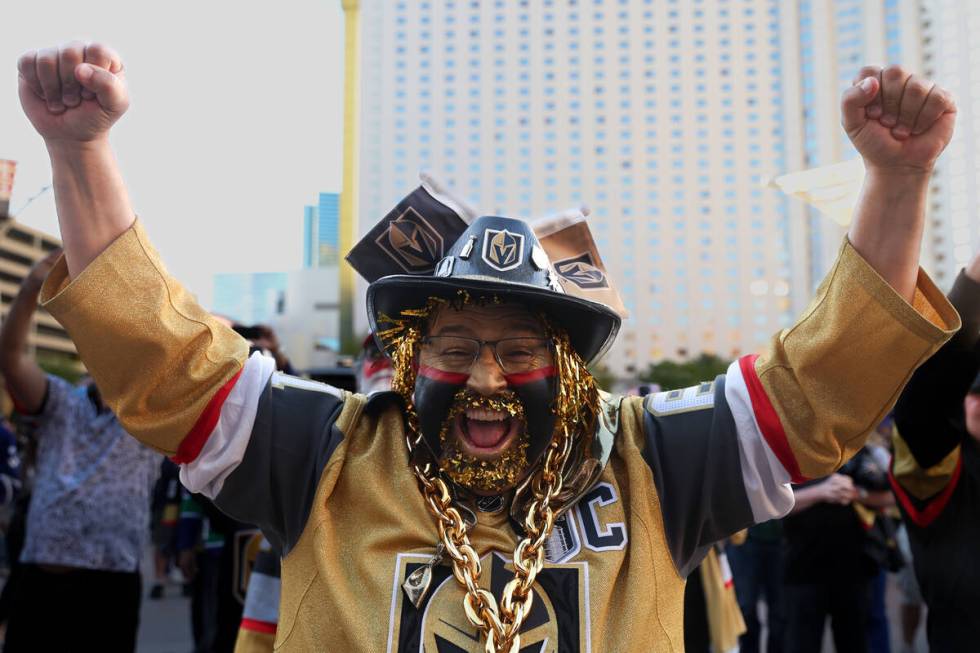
[(806, 405), (822, 385)]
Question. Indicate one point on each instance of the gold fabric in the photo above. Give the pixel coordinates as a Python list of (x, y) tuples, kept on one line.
[(342, 581), (156, 355), (921, 483), (721, 605), (738, 539), (250, 641), (834, 375)]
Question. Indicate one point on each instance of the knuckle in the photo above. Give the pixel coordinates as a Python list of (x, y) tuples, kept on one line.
[(47, 58), (96, 53), (71, 52), (894, 73), (26, 61), (917, 88)]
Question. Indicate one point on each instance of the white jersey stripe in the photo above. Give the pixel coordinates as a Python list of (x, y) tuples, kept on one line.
[(767, 483), (226, 444), (262, 599)]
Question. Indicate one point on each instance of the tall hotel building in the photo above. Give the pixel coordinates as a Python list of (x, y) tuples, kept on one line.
[(663, 116), (951, 54)]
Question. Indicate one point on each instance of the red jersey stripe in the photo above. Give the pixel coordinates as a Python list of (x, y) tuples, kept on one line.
[(935, 506), (768, 419), (259, 626), (190, 447)]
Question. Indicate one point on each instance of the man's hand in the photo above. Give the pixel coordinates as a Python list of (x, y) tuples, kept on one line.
[(73, 93), (838, 489), (897, 121)]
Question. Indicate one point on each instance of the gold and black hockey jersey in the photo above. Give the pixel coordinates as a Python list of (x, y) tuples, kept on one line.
[(325, 473)]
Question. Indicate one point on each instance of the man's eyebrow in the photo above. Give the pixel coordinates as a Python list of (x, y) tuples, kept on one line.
[(453, 328)]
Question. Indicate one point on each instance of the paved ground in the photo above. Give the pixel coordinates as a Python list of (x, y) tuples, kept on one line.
[(165, 624)]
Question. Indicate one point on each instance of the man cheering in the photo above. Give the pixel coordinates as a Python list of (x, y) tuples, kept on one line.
[(496, 501)]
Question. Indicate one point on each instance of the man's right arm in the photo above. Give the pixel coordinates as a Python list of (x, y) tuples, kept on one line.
[(178, 379)]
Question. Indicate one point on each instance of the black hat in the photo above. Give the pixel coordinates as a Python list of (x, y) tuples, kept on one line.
[(975, 388), (501, 256)]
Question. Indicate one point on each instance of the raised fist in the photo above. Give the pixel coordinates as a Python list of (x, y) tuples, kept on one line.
[(897, 121), (72, 93)]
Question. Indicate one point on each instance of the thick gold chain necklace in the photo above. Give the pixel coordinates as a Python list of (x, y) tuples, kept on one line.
[(499, 623), (576, 406)]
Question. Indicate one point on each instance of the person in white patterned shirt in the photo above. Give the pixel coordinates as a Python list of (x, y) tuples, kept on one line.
[(89, 510)]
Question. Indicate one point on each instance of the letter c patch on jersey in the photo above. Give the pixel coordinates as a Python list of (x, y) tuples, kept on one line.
[(598, 534)]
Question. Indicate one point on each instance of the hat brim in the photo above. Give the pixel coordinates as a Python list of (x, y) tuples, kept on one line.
[(591, 326)]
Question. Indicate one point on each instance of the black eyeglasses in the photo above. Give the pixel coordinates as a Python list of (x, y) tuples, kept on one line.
[(459, 353)]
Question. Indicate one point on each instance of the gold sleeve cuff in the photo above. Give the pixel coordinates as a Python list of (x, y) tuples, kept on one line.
[(834, 375), (156, 355), (921, 483)]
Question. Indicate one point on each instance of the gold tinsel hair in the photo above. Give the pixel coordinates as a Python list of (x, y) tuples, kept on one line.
[(576, 401)]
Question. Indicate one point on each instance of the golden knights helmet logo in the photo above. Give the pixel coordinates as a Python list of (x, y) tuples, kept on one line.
[(557, 623), (502, 250), (582, 271), (412, 242)]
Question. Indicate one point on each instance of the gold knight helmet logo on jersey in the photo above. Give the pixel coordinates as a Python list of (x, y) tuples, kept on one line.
[(557, 622)]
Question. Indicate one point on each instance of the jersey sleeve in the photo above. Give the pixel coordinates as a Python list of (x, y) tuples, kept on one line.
[(162, 363), (249, 438), (929, 418), (723, 454), (823, 385), (270, 478)]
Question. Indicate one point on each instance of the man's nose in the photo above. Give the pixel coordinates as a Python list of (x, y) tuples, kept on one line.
[(486, 377)]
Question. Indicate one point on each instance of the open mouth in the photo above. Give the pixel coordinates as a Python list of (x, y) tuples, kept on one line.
[(484, 432)]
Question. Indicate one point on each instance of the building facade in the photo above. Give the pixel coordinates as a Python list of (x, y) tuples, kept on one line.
[(951, 54), (663, 116), (20, 248), (250, 297)]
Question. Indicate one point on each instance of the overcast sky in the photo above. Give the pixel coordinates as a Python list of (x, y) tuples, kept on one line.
[(235, 122)]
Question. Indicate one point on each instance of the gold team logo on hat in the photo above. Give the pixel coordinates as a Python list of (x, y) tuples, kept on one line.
[(502, 250), (582, 271), (412, 242)]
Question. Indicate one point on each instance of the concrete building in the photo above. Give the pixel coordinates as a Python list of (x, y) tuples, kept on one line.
[(951, 55), (309, 326), (302, 306), (250, 297), (663, 116), (20, 248)]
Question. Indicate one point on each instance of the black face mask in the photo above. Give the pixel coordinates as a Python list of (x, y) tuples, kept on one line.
[(435, 390)]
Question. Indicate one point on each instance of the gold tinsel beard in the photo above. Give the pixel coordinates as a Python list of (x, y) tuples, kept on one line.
[(479, 474)]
